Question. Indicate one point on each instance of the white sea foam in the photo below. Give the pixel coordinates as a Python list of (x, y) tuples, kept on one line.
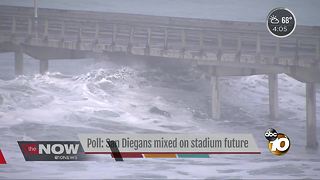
[(113, 99)]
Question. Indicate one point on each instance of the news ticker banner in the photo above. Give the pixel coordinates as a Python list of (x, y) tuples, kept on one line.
[(121, 146), (169, 145)]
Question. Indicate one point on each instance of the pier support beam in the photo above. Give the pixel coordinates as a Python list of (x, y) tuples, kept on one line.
[(312, 142), (44, 66), (215, 107), (273, 96), (18, 61)]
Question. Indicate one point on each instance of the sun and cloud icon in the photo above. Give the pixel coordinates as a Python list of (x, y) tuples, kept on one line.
[(274, 19)]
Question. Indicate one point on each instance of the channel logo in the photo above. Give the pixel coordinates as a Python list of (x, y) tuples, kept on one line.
[(52, 150), (279, 143)]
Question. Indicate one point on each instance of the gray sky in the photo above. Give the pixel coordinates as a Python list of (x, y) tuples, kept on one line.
[(307, 12)]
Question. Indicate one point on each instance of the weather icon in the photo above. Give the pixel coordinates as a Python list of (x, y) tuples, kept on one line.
[(274, 20)]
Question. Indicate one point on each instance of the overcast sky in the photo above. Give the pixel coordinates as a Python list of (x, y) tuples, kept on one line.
[(307, 12)]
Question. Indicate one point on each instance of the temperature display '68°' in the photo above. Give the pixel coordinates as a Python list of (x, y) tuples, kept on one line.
[(281, 22)]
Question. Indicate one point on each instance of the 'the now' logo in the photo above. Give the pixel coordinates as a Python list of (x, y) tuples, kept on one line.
[(33, 149), (52, 150)]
